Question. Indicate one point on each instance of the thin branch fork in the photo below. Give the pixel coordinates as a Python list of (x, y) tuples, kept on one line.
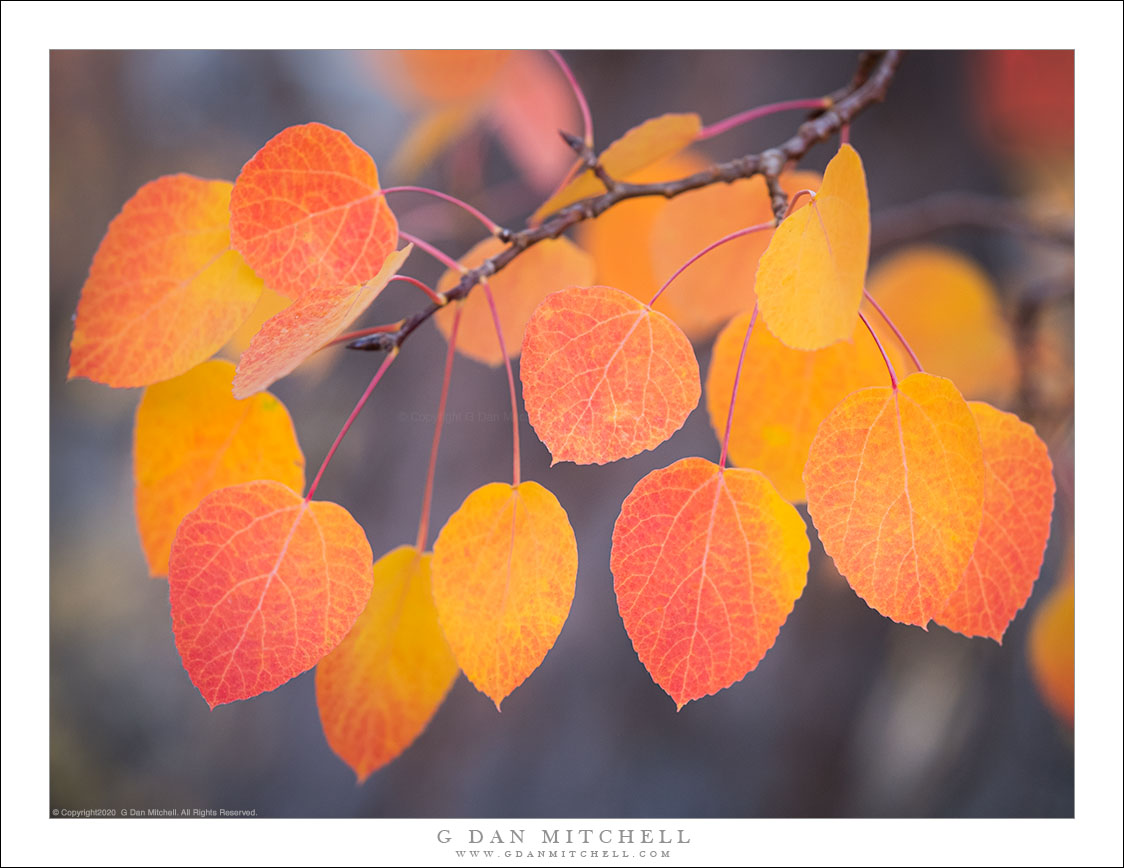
[(590, 159), (869, 85)]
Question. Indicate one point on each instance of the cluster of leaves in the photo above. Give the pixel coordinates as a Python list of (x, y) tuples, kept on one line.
[(932, 507)]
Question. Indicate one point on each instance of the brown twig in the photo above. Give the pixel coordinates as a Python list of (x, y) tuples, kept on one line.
[(778, 199), (970, 210), (589, 158), (869, 85)]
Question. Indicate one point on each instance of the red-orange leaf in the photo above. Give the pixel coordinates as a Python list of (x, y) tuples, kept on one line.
[(165, 289), (810, 280), (544, 268), (379, 688), (305, 326), (1018, 502), (707, 564), (1024, 101), (307, 213), (605, 376), (895, 481), (504, 568), (192, 438), (262, 586)]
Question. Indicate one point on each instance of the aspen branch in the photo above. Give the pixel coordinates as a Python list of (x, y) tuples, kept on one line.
[(589, 158), (869, 85), (965, 210)]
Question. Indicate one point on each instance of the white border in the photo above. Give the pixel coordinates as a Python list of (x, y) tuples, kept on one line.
[(29, 30)]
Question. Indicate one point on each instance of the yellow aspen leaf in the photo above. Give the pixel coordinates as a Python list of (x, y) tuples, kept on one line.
[(948, 309), (1018, 503), (307, 212), (895, 484), (707, 565), (810, 279), (504, 568), (604, 376), (379, 688), (721, 284), (191, 438), (307, 325), (518, 289), (165, 289), (1051, 649), (620, 240), (643, 145), (262, 585), (783, 395)]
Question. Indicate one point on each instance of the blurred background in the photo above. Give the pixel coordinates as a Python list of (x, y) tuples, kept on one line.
[(848, 715)]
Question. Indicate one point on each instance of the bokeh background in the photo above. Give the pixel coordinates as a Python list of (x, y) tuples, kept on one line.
[(848, 715)]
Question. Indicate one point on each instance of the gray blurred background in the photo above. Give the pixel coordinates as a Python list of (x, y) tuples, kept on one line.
[(848, 715)]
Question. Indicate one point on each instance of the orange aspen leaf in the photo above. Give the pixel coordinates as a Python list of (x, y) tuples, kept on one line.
[(263, 584), (443, 76), (383, 683), (621, 239), (895, 483), (643, 145), (604, 376), (1050, 647), (165, 289), (810, 279), (721, 284), (504, 568), (192, 437), (1018, 503), (307, 212), (948, 308), (707, 565), (783, 396), (307, 325), (542, 269)]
